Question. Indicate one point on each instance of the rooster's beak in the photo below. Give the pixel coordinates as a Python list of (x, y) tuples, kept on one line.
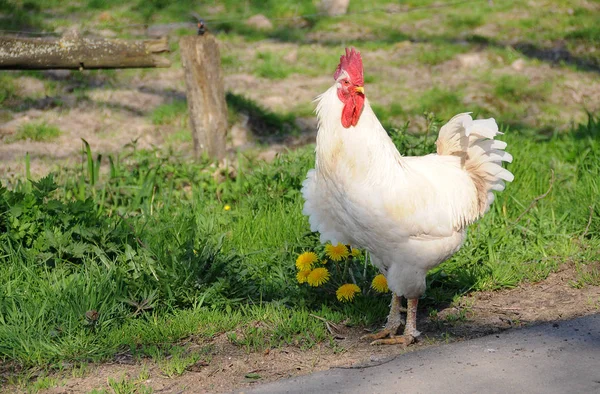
[(359, 89)]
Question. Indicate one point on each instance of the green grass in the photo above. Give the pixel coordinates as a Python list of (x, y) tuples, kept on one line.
[(588, 274), (272, 65), (36, 131), (465, 21), (7, 88), (147, 256), (389, 115), (171, 114), (44, 383), (125, 385), (517, 87), (435, 54), (589, 33), (178, 137), (445, 103)]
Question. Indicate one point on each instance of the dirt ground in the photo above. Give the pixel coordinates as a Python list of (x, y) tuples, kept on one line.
[(231, 368)]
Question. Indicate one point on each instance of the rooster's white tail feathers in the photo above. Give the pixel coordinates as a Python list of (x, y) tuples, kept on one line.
[(481, 155)]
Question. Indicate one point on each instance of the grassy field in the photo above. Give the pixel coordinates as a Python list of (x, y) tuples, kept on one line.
[(135, 250), (93, 265)]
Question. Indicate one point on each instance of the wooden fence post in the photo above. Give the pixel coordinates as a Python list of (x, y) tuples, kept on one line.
[(205, 94)]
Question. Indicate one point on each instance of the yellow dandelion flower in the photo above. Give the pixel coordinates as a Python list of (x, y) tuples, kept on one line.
[(227, 207), (355, 252), (347, 292), (379, 284), (302, 276), (337, 252), (306, 260), (318, 276)]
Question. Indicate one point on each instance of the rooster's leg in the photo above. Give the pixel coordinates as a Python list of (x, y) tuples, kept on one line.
[(410, 329), (411, 319), (394, 321)]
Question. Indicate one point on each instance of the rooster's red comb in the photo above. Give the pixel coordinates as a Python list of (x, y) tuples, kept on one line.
[(351, 62)]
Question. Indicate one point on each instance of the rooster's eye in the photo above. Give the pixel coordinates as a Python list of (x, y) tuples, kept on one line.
[(346, 82)]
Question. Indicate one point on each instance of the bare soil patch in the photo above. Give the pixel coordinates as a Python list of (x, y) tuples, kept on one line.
[(228, 367)]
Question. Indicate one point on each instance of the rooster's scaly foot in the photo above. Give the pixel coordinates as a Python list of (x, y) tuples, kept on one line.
[(395, 340), (386, 332)]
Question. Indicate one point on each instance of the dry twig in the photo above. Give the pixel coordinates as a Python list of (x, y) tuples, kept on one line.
[(334, 329), (496, 308)]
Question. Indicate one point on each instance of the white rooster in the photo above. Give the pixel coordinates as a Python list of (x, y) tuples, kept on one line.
[(410, 213)]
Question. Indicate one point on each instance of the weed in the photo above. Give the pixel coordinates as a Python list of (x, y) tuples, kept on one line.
[(594, 303), (40, 131), (390, 114), (271, 65), (515, 88), (128, 386), (43, 383), (178, 362), (590, 33), (179, 137), (587, 275), (144, 373), (230, 61), (339, 270), (174, 113), (447, 337), (433, 313), (460, 315), (80, 370), (7, 88), (442, 102), (437, 54), (462, 21)]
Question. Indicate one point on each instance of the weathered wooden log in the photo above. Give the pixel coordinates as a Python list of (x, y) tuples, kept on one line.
[(205, 94), (75, 52)]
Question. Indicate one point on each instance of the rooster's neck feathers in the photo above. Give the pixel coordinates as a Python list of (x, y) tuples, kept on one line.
[(329, 112), (367, 143)]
